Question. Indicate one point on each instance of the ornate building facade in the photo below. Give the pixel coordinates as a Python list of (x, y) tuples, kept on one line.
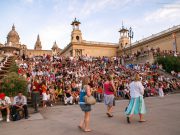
[(78, 47), (165, 40), (13, 46)]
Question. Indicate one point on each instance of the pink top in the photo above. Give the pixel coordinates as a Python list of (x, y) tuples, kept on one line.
[(106, 89)]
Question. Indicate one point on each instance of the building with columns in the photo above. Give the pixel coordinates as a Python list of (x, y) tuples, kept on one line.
[(13, 46), (78, 46), (166, 40)]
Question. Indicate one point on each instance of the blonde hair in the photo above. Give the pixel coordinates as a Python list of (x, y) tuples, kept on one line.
[(109, 77), (137, 77)]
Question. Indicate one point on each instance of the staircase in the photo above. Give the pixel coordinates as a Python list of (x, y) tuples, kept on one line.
[(6, 64), (166, 74), (141, 59)]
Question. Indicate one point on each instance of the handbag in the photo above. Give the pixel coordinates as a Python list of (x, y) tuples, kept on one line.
[(90, 100)]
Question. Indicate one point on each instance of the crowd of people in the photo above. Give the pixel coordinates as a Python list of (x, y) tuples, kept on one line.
[(149, 51), (60, 79)]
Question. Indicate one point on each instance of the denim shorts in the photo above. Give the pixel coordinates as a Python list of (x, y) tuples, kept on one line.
[(85, 107)]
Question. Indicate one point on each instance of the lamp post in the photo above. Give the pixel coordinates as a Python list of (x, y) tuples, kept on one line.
[(130, 35)]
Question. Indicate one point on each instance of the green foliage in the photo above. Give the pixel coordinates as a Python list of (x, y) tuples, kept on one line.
[(13, 83), (169, 63), (13, 67)]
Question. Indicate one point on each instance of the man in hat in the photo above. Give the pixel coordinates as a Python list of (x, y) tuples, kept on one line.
[(5, 103)]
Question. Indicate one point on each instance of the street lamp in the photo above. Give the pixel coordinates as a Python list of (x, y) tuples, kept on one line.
[(130, 35)]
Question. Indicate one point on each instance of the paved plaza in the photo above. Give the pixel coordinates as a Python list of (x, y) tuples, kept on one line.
[(163, 118)]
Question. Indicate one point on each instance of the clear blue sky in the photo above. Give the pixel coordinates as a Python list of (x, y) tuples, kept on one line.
[(100, 19)]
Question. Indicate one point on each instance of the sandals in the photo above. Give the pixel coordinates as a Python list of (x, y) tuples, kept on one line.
[(87, 130), (109, 115), (128, 120)]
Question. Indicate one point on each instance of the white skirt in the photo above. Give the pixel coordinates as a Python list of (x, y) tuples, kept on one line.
[(44, 96)]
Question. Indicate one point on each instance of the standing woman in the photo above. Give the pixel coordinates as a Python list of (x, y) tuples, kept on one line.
[(161, 93), (136, 104), (86, 108), (109, 95)]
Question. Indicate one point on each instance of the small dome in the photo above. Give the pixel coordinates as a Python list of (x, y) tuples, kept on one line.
[(13, 36)]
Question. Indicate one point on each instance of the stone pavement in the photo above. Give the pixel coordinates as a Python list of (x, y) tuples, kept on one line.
[(163, 118)]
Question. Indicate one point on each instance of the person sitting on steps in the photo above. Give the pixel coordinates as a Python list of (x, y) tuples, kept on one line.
[(20, 102), (5, 103)]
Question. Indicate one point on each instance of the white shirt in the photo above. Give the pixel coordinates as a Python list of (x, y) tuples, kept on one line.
[(6, 101), (48, 96), (136, 89), (19, 101)]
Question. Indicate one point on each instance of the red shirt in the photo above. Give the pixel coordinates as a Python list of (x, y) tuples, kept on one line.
[(107, 89)]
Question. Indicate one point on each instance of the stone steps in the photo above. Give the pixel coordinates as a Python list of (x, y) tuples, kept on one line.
[(167, 74)]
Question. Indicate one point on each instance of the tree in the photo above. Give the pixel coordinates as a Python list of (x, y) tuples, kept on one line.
[(13, 83), (169, 63)]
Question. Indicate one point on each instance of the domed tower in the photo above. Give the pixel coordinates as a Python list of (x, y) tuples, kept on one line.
[(38, 44), (13, 37), (76, 35), (55, 48), (124, 39)]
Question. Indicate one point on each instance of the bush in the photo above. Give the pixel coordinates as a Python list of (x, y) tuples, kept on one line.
[(13, 83), (13, 67), (169, 63)]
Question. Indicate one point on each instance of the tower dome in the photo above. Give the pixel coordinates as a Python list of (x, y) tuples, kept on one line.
[(13, 36)]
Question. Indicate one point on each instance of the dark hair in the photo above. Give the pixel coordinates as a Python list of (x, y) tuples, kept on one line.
[(19, 92)]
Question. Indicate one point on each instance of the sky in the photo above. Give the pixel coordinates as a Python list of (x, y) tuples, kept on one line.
[(100, 19)]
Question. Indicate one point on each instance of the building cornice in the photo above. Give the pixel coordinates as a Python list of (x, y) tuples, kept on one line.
[(154, 37)]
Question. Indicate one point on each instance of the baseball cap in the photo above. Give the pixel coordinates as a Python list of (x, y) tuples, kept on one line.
[(2, 95)]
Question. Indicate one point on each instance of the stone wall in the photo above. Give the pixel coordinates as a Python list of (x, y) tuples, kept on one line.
[(142, 59), (38, 52), (163, 41)]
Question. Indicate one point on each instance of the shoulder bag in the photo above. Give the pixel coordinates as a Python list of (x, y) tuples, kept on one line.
[(90, 100)]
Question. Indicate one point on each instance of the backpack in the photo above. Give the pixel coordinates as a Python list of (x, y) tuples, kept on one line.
[(15, 115)]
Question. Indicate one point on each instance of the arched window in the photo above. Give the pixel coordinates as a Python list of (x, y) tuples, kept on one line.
[(77, 38)]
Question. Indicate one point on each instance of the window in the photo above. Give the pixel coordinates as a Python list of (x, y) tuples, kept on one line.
[(77, 38)]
